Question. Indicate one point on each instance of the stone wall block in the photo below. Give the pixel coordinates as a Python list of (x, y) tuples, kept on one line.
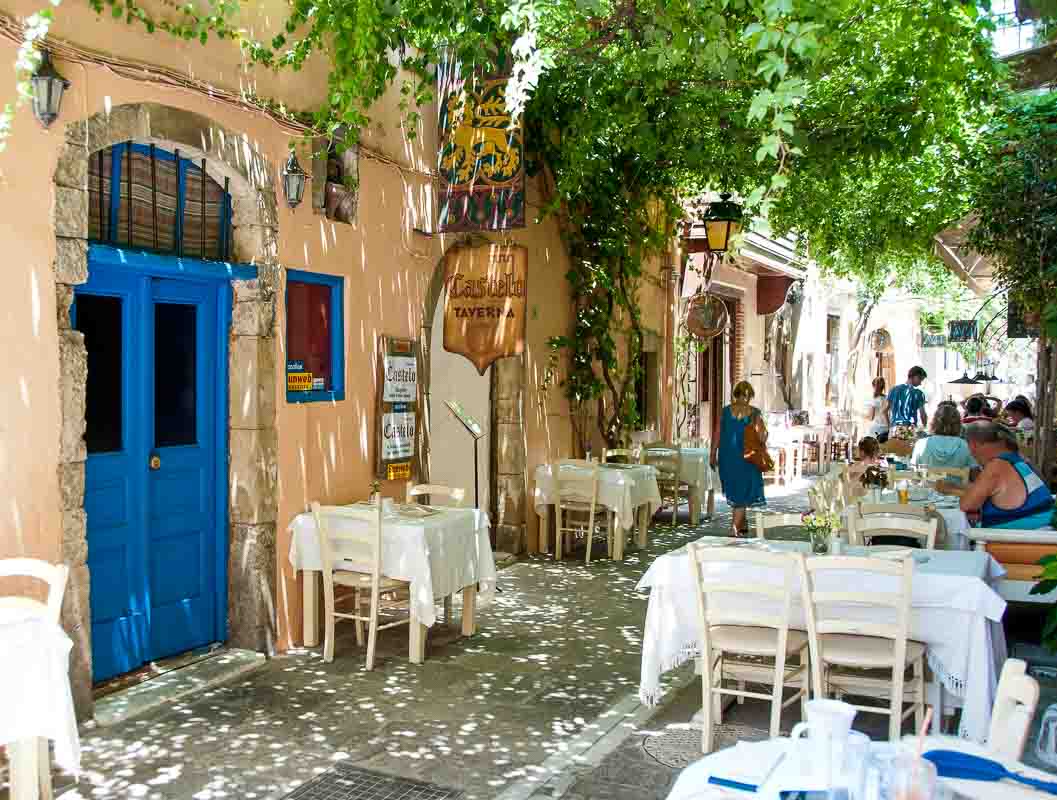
[(73, 376), (255, 243), (71, 485), (509, 408), (247, 291), (71, 212), (72, 168), (120, 125), (76, 621), (63, 301), (252, 396), (510, 448), (253, 478), (510, 500), (74, 537), (510, 538), (251, 587), (250, 319), (509, 376), (71, 261)]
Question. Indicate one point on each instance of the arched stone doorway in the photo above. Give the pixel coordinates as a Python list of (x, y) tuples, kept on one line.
[(252, 451), (505, 461)]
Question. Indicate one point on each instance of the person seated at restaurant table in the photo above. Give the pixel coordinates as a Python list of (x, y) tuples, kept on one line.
[(1008, 493), (945, 446), (1019, 412), (976, 410), (906, 402), (869, 456)]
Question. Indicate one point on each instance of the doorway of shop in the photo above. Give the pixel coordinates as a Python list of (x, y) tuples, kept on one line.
[(156, 368)]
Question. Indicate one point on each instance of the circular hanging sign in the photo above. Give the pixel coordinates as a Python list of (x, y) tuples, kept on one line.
[(880, 339), (706, 316)]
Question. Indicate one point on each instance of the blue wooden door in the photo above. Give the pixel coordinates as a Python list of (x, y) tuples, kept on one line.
[(150, 487)]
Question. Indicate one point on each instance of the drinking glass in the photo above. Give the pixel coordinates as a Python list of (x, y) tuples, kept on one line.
[(904, 493), (853, 768), (912, 778)]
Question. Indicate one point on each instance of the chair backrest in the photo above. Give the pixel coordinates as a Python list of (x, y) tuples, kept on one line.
[(946, 473), (360, 544), (432, 490), (577, 483), (628, 456), (1014, 708), (836, 588), (54, 575), (641, 437), (724, 600), (894, 509), (765, 522), (861, 529), (665, 458)]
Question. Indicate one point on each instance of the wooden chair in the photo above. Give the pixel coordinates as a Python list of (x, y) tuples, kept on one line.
[(628, 456), (947, 473), (848, 642), (30, 759), (765, 522), (864, 527), (360, 569), (667, 459), (894, 509), (732, 622), (431, 490), (1011, 715), (577, 505)]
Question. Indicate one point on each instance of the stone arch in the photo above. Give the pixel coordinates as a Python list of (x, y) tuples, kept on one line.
[(252, 456), (507, 446)]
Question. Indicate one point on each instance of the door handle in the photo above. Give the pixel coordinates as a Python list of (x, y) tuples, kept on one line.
[(155, 461)]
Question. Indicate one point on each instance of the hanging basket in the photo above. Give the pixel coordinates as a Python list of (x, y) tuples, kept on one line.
[(706, 316)]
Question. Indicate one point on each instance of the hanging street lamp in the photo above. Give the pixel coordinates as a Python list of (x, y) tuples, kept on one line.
[(722, 220), (293, 181), (48, 86)]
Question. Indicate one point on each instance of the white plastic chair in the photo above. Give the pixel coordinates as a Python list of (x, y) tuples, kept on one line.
[(847, 641), (360, 570), (667, 460), (732, 622), (863, 527), (1011, 715), (30, 759), (432, 490)]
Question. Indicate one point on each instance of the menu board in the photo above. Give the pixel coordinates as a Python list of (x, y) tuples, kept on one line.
[(397, 410)]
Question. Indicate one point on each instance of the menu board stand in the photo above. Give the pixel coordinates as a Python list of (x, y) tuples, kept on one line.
[(397, 413), (473, 427)]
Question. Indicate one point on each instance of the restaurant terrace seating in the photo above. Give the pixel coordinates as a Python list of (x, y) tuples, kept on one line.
[(578, 509), (765, 522), (864, 528), (667, 460)]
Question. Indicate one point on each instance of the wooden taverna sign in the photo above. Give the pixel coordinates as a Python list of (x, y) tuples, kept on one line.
[(484, 302)]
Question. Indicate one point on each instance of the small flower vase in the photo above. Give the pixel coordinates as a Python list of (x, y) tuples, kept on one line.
[(875, 494), (820, 541)]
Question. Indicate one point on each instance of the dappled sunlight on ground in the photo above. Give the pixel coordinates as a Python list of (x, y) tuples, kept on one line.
[(555, 650)]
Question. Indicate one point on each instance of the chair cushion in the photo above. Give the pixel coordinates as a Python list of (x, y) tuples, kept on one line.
[(848, 650), (361, 580), (753, 640)]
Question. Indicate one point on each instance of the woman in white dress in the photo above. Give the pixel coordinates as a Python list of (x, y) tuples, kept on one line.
[(877, 411)]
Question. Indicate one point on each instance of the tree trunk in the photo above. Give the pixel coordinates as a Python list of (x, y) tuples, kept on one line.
[(1045, 398)]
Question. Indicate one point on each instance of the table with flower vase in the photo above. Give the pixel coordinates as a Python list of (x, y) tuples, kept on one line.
[(955, 611), (693, 782), (629, 490), (441, 554), (36, 704)]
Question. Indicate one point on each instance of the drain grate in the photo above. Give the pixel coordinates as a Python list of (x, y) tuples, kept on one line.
[(352, 783)]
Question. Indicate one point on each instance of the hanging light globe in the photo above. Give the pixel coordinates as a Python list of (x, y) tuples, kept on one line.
[(294, 178), (706, 316), (722, 220), (48, 87)]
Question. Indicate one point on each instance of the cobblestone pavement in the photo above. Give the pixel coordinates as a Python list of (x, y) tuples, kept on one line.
[(555, 665)]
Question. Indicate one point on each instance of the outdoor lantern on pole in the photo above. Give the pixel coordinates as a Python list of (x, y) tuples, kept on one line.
[(294, 181), (48, 86), (722, 220)]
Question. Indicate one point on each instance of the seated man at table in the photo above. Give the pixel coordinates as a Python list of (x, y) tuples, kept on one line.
[(1008, 493)]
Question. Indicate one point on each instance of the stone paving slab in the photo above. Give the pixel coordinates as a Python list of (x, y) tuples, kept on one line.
[(555, 663)]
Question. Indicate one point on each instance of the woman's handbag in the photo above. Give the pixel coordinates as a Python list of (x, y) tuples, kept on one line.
[(754, 451)]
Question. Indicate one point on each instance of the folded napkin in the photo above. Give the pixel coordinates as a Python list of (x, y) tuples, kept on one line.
[(747, 765)]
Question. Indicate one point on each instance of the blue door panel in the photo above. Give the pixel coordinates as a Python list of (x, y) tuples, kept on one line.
[(153, 533)]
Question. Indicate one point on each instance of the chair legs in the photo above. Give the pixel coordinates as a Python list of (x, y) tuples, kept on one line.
[(372, 636), (328, 620), (30, 769)]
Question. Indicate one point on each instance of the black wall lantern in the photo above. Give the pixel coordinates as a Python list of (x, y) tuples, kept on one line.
[(293, 181), (48, 87), (722, 220)]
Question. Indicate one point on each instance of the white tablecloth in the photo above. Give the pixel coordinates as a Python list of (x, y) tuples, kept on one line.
[(692, 783), (621, 488), (438, 555), (35, 698), (955, 611)]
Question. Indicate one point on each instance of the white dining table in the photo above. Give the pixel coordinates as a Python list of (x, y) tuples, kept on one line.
[(629, 490), (439, 555), (36, 704), (693, 782), (955, 611), (699, 475)]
